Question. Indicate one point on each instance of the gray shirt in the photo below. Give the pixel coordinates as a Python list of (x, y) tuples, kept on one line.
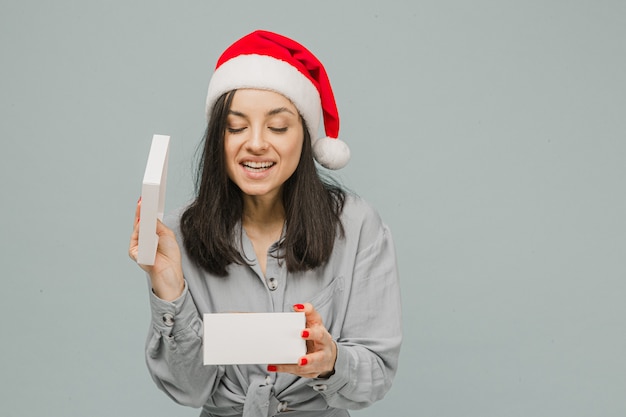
[(357, 294)]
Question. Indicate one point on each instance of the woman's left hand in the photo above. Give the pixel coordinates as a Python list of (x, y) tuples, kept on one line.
[(319, 361)]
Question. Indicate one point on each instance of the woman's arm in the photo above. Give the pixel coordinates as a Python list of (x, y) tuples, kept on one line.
[(174, 345), (174, 352), (371, 335)]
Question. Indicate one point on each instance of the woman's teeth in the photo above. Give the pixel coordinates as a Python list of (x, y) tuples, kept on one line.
[(257, 166)]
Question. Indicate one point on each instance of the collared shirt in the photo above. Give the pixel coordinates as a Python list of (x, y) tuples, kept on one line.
[(356, 292)]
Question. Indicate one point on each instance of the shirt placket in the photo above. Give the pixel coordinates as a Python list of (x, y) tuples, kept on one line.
[(275, 278)]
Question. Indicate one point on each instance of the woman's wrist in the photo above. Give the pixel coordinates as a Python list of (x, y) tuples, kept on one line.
[(326, 375), (168, 287)]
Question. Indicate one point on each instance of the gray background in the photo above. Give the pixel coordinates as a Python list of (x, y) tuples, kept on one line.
[(489, 134)]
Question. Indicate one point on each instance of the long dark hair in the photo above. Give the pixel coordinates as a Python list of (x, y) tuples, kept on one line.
[(313, 206)]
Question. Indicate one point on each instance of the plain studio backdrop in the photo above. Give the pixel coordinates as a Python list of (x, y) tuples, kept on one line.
[(490, 135)]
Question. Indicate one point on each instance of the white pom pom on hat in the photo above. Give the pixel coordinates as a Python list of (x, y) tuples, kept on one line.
[(269, 61), (331, 153)]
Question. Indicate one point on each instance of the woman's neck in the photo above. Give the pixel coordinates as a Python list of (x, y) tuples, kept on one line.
[(263, 221), (263, 211), (263, 217)]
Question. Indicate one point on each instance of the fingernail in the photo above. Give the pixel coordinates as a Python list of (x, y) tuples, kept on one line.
[(271, 368), (138, 201), (303, 361), (305, 333), (298, 306)]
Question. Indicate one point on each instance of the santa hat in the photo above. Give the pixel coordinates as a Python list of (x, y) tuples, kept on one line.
[(269, 61)]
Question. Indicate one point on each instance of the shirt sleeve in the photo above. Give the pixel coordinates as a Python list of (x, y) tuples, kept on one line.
[(174, 351), (371, 336)]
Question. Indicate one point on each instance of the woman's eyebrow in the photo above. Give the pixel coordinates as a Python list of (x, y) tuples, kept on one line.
[(279, 110), (269, 113), (236, 113)]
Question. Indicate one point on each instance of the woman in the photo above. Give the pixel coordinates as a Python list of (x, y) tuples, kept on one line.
[(267, 234)]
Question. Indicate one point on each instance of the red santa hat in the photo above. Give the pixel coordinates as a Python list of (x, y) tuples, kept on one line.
[(269, 61)]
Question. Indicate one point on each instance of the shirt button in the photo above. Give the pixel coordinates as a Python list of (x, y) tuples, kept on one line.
[(168, 319), (320, 387), (272, 284)]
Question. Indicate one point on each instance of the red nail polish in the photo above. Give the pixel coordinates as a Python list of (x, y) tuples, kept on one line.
[(299, 306), (305, 333), (303, 361), (271, 368)]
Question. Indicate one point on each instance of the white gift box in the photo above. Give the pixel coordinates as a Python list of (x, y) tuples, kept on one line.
[(152, 199), (253, 338)]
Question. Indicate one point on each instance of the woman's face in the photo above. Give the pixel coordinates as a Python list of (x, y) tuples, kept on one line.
[(263, 141)]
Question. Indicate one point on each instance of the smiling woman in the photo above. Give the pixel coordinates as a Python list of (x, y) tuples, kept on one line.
[(266, 233)]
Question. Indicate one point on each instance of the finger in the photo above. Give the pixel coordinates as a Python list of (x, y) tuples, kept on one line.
[(317, 335), (163, 230), (302, 368), (314, 364), (313, 318), (137, 212), (133, 247), (314, 361), (167, 240), (319, 362), (308, 366), (134, 237)]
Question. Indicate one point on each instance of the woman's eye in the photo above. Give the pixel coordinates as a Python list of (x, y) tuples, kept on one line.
[(235, 129), (278, 129)]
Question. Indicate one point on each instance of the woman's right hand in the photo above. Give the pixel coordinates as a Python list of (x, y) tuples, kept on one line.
[(166, 274)]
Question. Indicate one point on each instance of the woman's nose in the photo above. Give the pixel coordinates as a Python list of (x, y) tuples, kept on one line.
[(257, 141)]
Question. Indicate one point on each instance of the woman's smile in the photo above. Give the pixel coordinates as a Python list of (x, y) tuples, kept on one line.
[(257, 166)]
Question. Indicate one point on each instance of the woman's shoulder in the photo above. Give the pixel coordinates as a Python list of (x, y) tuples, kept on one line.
[(360, 214)]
